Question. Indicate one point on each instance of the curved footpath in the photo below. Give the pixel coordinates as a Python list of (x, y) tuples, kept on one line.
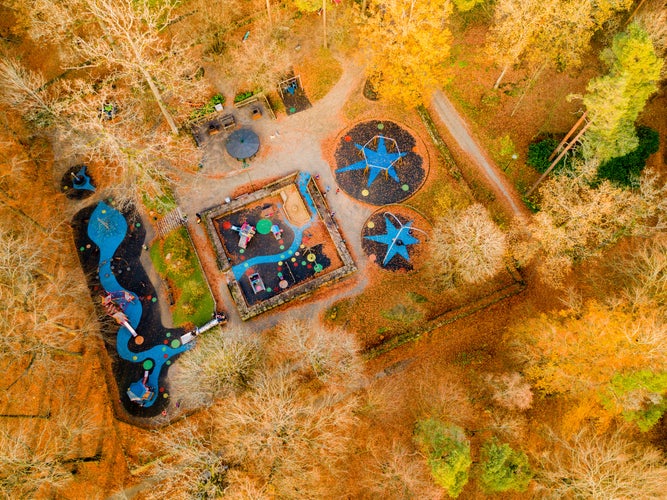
[(459, 130)]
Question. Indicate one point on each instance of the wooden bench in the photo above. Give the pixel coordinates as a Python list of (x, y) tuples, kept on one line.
[(227, 121)]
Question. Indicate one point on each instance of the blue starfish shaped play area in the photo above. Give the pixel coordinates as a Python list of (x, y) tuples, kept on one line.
[(397, 240), (376, 161)]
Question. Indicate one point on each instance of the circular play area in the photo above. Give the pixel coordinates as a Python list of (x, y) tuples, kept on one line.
[(393, 237), (379, 162)]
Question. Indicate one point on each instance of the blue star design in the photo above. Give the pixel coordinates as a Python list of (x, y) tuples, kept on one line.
[(397, 240), (376, 161)]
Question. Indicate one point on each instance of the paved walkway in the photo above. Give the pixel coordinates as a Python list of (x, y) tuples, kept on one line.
[(462, 135)]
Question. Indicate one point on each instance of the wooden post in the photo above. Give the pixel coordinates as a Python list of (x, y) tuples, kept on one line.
[(555, 162), (569, 134)]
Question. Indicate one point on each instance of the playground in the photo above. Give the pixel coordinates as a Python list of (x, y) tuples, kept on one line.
[(277, 243), (380, 162), (109, 244)]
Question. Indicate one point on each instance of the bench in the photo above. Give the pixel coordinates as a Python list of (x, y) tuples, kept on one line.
[(227, 121)]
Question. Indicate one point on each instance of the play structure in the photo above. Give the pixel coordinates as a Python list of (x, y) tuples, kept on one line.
[(380, 155), (379, 162), (113, 304), (397, 237), (81, 180), (246, 233), (107, 228), (218, 318), (296, 247)]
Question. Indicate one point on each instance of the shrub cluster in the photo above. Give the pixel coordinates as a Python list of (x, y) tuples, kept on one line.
[(625, 170)]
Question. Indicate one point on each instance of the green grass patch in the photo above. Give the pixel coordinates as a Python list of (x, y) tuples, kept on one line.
[(175, 260), (208, 108), (320, 73)]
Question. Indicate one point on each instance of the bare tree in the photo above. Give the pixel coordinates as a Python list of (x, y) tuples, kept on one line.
[(219, 366), (330, 356), (286, 437), (398, 473), (511, 391), (577, 220), (467, 246), (602, 466)]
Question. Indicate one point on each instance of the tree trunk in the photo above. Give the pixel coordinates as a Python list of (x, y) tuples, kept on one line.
[(502, 74), (324, 22), (268, 12), (555, 162), (160, 102), (569, 134)]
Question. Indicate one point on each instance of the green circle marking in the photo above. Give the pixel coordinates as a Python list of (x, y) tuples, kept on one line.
[(168, 362), (148, 364), (269, 290), (282, 247), (154, 299), (303, 262), (241, 250), (405, 187), (164, 349), (317, 267), (175, 343), (168, 334), (82, 249), (264, 226), (380, 126)]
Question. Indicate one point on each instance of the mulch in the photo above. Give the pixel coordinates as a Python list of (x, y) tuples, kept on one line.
[(384, 190), (136, 280), (376, 251), (298, 101)]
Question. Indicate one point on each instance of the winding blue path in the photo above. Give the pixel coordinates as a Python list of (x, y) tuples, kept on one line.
[(107, 229), (302, 183)]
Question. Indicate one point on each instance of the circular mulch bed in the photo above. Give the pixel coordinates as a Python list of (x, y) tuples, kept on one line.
[(393, 238), (67, 184), (395, 170)]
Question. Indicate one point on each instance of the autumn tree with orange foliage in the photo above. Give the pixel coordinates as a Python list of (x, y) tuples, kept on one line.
[(610, 358), (408, 45), (549, 30)]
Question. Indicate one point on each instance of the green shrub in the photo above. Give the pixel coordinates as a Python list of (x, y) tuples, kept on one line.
[(538, 155), (242, 96), (503, 469), (641, 395), (208, 108), (625, 170), (447, 451)]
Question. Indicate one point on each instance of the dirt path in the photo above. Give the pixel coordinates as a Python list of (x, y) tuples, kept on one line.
[(461, 133)]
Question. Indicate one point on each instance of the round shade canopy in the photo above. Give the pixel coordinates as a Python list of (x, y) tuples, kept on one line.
[(242, 143)]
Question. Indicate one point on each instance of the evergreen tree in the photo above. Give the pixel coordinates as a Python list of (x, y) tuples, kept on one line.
[(615, 100)]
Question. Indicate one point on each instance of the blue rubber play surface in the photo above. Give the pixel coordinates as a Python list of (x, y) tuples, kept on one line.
[(107, 228)]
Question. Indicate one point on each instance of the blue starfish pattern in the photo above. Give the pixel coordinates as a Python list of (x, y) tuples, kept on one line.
[(376, 161), (397, 240)]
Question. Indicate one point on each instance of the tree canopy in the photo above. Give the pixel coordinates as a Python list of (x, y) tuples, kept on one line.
[(408, 43)]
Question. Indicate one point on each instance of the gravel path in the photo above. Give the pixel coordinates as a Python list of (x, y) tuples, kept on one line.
[(461, 134)]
